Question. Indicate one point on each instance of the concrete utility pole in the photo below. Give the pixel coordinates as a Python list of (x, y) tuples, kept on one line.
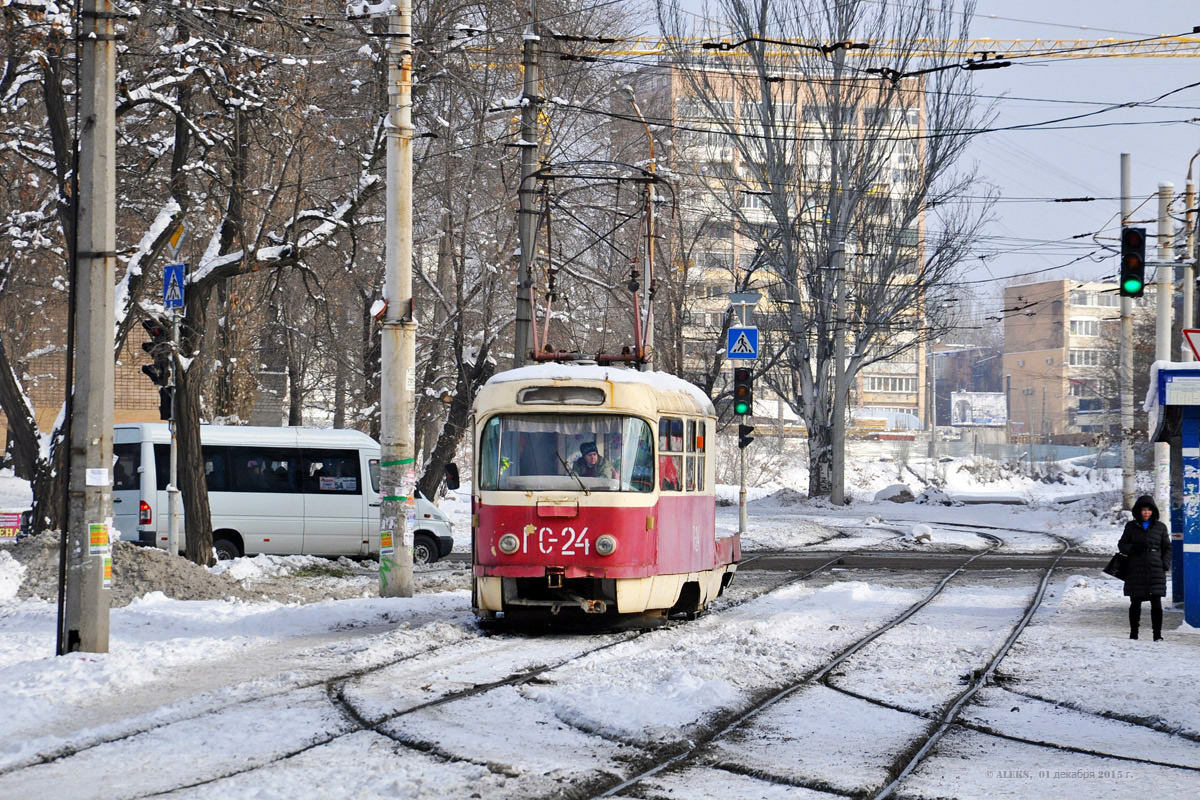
[(933, 443), (1128, 484), (527, 192), (1188, 316), (89, 508), (1164, 292), (398, 354), (837, 493)]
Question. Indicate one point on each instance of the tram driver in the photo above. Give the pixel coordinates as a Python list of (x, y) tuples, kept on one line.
[(591, 464)]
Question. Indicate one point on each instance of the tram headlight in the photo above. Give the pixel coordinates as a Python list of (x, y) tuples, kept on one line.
[(606, 545), (508, 544)]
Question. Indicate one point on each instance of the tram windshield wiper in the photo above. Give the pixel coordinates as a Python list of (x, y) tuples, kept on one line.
[(578, 479)]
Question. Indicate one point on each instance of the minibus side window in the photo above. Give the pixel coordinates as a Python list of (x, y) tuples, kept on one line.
[(216, 468), (264, 469), (126, 460), (332, 472), (373, 466), (162, 466)]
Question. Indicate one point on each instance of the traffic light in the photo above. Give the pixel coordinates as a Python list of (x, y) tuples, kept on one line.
[(744, 437), (166, 400), (159, 347), (1133, 261), (743, 391)]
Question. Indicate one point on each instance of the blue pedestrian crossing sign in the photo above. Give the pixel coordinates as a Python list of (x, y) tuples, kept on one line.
[(173, 277), (742, 343)]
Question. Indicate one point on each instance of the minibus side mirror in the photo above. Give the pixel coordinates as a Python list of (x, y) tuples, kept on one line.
[(451, 476)]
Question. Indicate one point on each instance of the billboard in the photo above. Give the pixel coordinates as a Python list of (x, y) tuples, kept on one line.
[(977, 408)]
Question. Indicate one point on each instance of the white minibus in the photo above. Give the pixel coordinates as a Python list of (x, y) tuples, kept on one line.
[(281, 491)]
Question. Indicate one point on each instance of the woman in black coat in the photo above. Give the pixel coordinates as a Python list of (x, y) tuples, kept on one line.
[(1147, 547)]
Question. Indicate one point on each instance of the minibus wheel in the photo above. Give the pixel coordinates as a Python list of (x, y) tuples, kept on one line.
[(226, 549), (425, 549)]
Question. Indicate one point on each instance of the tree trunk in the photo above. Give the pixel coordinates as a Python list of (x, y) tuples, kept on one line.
[(820, 459), (189, 382), (22, 427), (223, 400), (372, 352), (48, 487), (443, 452), (339, 394), (295, 392)]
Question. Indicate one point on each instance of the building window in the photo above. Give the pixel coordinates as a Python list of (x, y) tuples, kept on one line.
[(1085, 327), (1084, 388), (1081, 298), (888, 383), (1085, 358), (1090, 405)]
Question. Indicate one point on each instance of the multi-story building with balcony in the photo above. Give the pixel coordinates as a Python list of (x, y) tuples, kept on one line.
[(1060, 357), (720, 204)]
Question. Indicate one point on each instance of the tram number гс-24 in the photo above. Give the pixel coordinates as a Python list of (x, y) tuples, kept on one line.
[(572, 542)]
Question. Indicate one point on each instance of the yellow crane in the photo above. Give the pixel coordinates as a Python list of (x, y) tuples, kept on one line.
[(1157, 47)]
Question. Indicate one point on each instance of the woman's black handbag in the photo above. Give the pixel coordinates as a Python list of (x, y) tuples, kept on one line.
[(1116, 566)]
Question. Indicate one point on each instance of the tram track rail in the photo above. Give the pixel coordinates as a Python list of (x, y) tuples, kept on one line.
[(698, 747), (335, 686)]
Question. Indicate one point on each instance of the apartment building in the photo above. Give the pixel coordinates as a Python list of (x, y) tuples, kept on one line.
[(714, 242), (1060, 357)]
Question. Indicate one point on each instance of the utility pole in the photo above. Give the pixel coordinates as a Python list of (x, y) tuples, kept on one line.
[(527, 192), (933, 444), (648, 281), (837, 494), (1188, 315), (1164, 275), (173, 494), (1128, 487), (84, 623), (398, 347)]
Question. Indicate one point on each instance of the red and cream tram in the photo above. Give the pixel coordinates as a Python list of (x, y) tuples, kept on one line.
[(593, 494)]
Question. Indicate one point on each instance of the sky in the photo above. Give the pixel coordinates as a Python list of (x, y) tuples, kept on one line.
[(1028, 168), (1082, 162)]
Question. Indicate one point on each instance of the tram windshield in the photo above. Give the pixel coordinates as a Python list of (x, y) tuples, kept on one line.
[(567, 451)]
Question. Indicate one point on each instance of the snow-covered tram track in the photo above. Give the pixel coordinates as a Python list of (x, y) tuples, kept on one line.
[(59, 752), (698, 749), (1152, 724), (765, 742)]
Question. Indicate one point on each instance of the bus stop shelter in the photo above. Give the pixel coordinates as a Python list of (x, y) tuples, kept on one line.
[(1173, 405)]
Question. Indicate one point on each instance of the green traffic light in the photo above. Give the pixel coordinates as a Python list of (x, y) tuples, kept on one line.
[(1132, 285), (741, 407)]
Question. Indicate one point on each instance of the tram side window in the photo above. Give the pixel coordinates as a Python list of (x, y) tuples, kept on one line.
[(690, 460), (670, 454), (699, 457)]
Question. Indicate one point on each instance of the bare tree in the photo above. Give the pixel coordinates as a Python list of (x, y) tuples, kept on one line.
[(837, 148)]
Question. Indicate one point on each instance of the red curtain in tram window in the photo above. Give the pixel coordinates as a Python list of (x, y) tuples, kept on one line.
[(668, 471)]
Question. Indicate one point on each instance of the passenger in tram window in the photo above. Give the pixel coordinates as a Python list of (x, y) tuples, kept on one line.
[(590, 464)]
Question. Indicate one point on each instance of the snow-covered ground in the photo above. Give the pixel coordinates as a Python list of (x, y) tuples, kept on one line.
[(366, 697)]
